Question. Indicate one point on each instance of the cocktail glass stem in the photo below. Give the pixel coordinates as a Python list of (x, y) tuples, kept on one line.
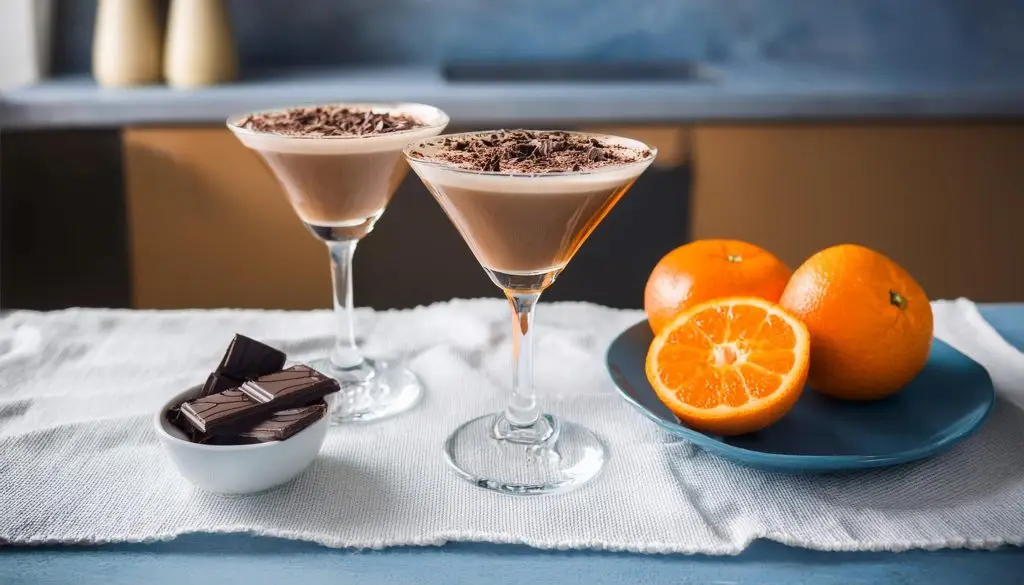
[(522, 409), (370, 389), (521, 422), (346, 353)]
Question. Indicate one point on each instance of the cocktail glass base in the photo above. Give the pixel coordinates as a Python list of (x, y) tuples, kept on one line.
[(570, 456), (371, 391)]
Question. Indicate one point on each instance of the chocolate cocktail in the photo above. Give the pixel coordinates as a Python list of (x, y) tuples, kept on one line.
[(339, 166), (525, 201)]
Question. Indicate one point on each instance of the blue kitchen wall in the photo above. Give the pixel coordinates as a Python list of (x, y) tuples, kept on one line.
[(852, 34)]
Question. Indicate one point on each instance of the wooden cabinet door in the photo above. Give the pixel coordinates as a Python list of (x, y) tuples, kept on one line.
[(210, 227), (944, 200)]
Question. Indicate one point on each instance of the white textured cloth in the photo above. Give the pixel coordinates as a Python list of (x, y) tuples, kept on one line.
[(79, 461)]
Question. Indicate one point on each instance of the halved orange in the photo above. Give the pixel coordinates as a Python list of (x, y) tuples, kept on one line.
[(730, 366)]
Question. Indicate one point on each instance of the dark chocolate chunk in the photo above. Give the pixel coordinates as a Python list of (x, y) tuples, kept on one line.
[(173, 416), (253, 401), (247, 358), (178, 421), (218, 383)]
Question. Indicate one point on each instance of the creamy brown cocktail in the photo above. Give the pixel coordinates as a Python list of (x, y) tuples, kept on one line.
[(525, 201), (339, 165), (338, 190), (518, 234), (533, 227)]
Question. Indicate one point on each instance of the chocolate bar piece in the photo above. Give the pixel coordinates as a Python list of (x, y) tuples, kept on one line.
[(281, 425), (247, 358), (285, 423), (253, 401), (218, 383), (286, 385), (207, 413)]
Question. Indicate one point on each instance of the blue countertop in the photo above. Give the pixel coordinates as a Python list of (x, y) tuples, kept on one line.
[(245, 559), (206, 558), (761, 92)]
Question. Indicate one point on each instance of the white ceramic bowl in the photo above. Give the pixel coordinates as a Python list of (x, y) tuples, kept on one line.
[(238, 469)]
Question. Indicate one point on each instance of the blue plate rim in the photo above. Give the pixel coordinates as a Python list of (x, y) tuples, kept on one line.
[(816, 461)]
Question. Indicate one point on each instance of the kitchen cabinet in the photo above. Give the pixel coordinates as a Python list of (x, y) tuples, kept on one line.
[(208, 227), (184, 216), (944, 200)]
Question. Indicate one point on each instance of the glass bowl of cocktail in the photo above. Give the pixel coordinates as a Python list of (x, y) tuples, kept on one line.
[(339, 165), (525, 201)]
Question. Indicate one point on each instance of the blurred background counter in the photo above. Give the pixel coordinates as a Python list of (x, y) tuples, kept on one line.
[(791, 124)]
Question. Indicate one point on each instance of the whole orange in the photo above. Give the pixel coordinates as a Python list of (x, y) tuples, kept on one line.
[(710, 269), (870, 322)]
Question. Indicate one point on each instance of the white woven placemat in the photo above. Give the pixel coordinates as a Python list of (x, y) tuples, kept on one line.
[(80, 463)]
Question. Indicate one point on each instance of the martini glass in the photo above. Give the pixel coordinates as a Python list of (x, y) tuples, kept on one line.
[(524, 229), (339, 187)]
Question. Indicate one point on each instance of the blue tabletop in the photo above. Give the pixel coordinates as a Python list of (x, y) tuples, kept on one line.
[(244, 559), (252, 560)]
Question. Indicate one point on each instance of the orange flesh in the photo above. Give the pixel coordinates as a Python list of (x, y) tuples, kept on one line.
[(727, 355)]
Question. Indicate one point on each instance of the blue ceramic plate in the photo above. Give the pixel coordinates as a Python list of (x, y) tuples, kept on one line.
[(945, 403)]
